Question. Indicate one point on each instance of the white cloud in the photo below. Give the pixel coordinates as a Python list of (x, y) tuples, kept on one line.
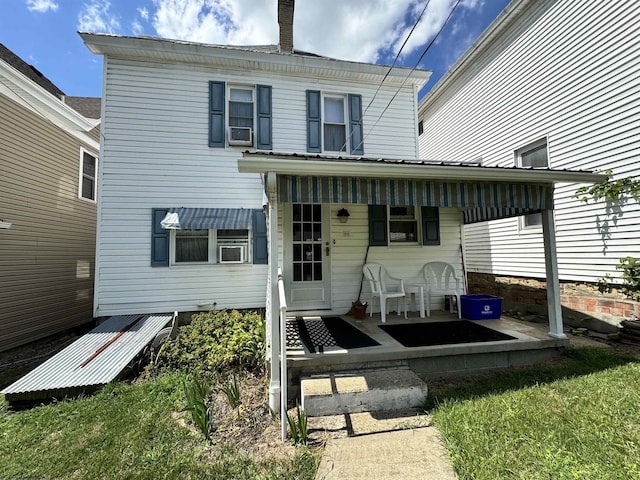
[(217, 21), (136, 27), (42, 5), (346, 29), (144, 13), (97, 17)]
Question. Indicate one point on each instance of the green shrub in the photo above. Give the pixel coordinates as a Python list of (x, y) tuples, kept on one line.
[(217, 341)]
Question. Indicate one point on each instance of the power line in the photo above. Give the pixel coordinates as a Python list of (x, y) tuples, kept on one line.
[(424, 52), (386, 75)]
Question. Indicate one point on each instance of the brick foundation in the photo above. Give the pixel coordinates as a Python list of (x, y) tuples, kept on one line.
[(581, 303)]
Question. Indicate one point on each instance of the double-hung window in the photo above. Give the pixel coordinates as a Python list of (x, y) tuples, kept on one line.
[(534, 155), (335, 131), (240, 115), (401, 225), (334, 122), (88, 176), (211, 246)]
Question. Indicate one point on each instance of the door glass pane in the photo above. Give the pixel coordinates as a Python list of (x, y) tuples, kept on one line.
[(307, 242)]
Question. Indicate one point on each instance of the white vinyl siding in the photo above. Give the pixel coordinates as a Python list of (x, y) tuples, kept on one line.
[(349, 249), (568, 71), (157, 156)]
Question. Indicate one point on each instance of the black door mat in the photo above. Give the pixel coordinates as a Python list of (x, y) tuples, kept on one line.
[(442, 333), (325, 334)]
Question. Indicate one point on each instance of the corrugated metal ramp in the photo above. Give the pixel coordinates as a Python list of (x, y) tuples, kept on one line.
[(95, 359)]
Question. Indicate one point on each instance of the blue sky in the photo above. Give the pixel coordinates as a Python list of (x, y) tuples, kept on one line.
[(44, 32)]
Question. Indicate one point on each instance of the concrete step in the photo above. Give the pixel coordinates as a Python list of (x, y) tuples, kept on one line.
[(362, 391)]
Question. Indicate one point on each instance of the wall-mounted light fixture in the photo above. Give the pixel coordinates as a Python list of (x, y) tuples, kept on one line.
[(343, 215), (4, 224)]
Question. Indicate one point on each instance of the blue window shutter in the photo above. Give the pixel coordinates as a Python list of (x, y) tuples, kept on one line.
[(159, 239), (355, 124), (259, 226), (378, 225), (264, 118), (216, 114), (430, 225), (314, 121)]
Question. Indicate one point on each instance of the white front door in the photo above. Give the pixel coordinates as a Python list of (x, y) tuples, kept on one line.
[(307, 254)]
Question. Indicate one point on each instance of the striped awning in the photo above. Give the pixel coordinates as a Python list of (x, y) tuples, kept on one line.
[(207, 218), (480, 200)]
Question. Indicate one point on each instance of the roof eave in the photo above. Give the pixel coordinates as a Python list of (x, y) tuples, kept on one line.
[(288, 166), (145, 47)]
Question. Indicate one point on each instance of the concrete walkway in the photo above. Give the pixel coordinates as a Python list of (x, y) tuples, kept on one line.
[(381, 445), (401, 454)]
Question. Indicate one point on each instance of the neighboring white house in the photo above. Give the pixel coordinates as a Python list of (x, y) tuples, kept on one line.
[(550, 84)]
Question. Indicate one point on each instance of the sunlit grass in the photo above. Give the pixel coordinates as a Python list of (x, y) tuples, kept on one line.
[(576, 420), (126, 431)]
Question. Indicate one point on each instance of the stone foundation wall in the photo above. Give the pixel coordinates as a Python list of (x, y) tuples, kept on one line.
[(581, 303)]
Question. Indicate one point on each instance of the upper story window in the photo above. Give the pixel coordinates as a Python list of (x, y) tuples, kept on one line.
[(335, 129), (334, 123), (534, 155), (240, 115), (88, 174)]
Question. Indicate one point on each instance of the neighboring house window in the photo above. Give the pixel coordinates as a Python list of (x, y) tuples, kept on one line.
[(392, 224), (240, 115), (420, 127), (211, 246), (334, 123), (533, 156), (88, 175)]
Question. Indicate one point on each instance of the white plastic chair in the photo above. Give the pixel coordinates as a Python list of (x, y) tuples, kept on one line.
[(441, 279), (379, 281)]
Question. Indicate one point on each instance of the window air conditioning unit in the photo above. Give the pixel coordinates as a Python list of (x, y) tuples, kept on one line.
[(231, 253), (240, 136)]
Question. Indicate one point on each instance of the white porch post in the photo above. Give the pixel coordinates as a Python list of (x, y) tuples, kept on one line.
[(554, 307), (273, 304)]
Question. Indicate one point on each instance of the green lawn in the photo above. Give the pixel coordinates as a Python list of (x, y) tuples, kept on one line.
[(126, 431), (577, 420)]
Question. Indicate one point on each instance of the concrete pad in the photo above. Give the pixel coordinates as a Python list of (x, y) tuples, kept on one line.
[(322, 429), (362, 391), (402, 454)]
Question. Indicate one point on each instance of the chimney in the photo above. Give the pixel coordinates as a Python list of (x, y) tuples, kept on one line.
[(285, 21)]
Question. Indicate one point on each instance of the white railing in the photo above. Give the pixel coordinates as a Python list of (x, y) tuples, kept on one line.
[(283, 355)]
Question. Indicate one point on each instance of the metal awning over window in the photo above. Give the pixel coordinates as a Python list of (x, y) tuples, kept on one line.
[(207, 218)]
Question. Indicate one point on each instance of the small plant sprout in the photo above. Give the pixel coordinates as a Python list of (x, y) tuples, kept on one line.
[(298, 427), (196, 394)]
